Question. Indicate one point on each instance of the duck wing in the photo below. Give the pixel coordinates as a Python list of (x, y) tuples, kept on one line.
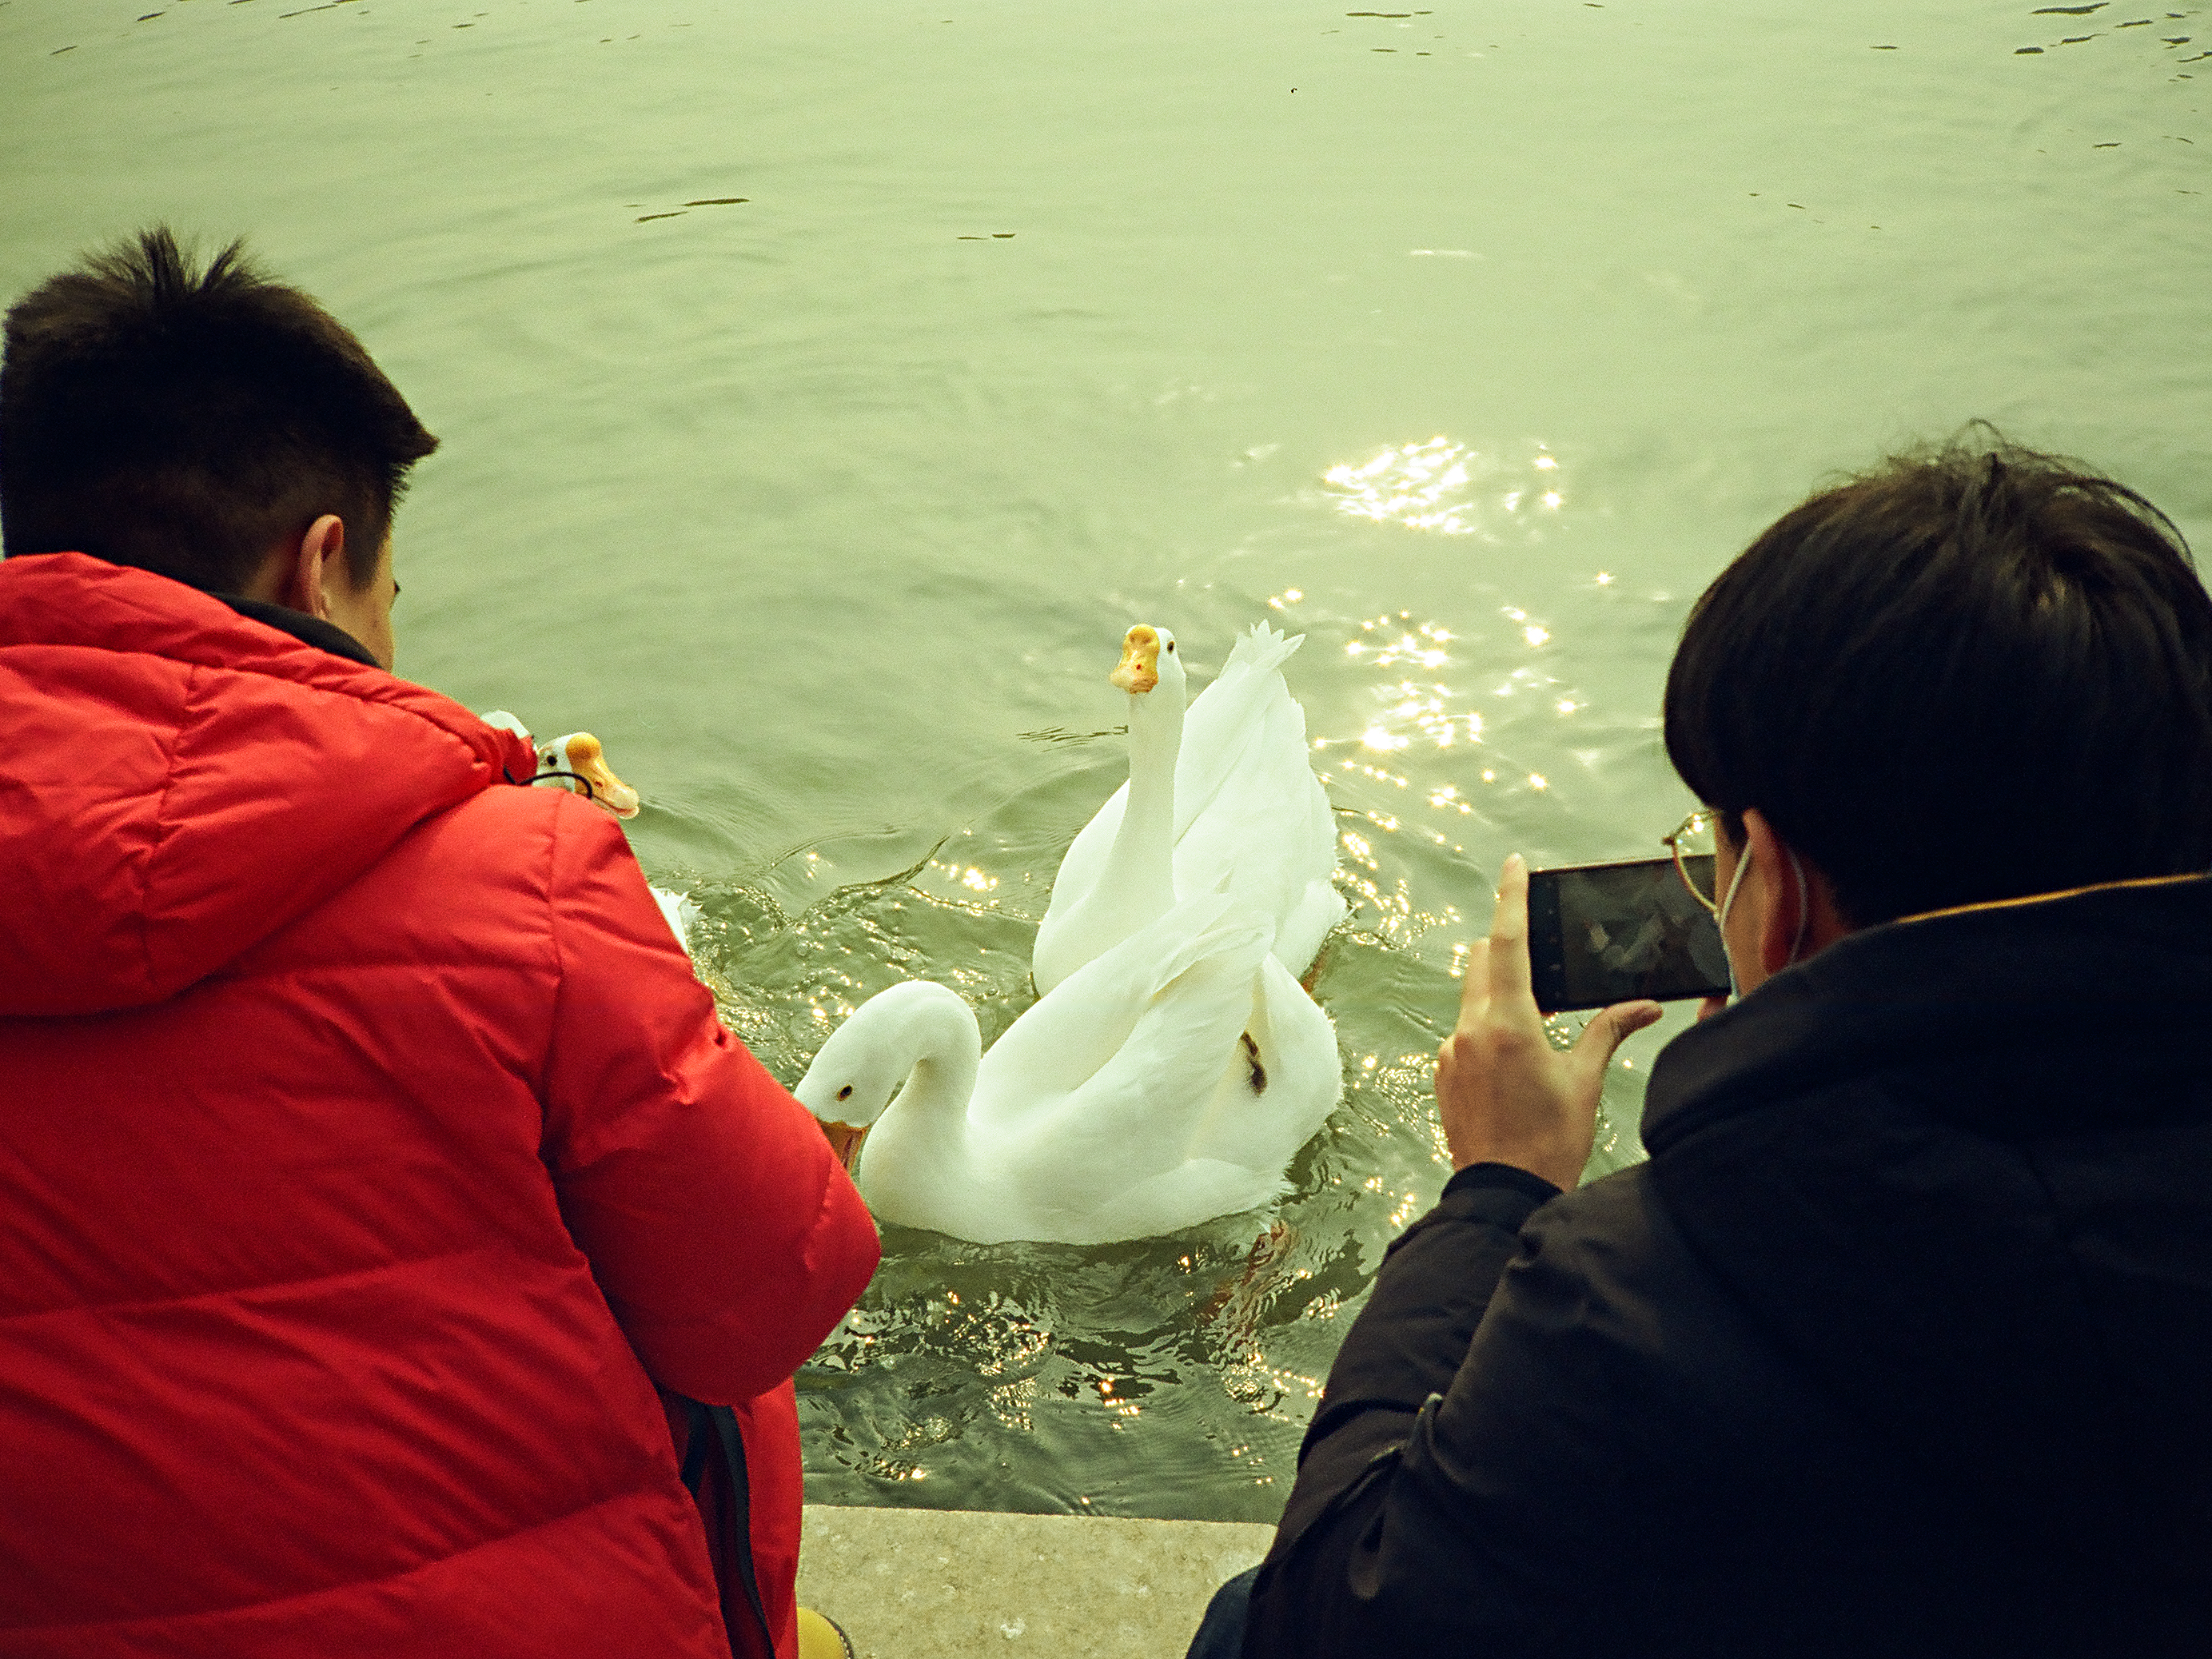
[(1295, 1077), (1227, 717), (1253, 819), (1098, 1091), (1164, 988), (1179, 1126)]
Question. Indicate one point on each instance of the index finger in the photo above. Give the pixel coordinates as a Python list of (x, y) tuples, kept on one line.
[(1474, 989), (1509, 933)]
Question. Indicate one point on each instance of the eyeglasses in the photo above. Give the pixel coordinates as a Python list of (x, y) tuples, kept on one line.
[(1693, 845)]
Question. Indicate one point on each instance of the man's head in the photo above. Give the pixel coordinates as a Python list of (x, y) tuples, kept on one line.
[(1971, 674), (203, 425)]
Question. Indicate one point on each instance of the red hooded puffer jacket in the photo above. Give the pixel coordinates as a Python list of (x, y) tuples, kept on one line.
[(366, 1145)]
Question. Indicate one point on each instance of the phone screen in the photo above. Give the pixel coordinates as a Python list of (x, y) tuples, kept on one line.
[(1601, 934)]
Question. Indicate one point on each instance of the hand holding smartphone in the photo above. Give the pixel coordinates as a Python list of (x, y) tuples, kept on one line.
[(1504, 1093)]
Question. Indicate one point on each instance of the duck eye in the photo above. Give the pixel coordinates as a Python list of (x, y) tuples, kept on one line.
[(845, 1093), (1171, 648)]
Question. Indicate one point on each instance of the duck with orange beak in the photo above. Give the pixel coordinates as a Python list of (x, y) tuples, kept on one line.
[(578, 762), (1222, 795)]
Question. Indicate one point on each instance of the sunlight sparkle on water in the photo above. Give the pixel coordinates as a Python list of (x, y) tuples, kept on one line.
[(1424, 726), (1410, 707), (1452, 488)]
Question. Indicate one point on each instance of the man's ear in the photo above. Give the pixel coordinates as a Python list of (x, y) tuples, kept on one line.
[(1797, 912), (318, 561)]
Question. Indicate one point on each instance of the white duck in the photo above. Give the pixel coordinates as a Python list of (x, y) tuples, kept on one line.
[(1171, 1080), (1227, 794)]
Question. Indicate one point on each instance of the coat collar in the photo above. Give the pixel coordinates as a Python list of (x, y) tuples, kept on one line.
[(312, 630), (2124, 968)]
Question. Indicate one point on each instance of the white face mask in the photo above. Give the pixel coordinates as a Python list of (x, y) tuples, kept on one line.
[(1804, 916)]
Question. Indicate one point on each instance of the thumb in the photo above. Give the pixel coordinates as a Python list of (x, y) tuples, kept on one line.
[(1594, 1049)]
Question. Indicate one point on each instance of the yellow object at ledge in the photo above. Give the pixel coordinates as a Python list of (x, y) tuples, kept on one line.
[(822, 1638)]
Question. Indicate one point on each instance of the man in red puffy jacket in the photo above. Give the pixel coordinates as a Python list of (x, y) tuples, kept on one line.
[(369, 1151)]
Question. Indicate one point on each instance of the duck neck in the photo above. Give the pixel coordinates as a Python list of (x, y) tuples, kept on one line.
[(1141, 866), (920, 1138), (944, 1046)]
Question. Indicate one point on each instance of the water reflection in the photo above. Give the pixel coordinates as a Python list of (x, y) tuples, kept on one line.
[(1452, 488), (1452, 742)]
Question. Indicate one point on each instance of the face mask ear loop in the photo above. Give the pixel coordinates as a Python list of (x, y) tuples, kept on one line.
[(1721, 916), (1804, 911)]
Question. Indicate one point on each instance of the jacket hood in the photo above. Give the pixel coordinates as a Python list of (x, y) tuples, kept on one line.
[(1961, 1168), (177, 782)]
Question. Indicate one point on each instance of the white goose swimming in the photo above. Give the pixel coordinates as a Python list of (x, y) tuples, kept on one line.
[(1224, 791), (1171, 1080), (1168, 1078)]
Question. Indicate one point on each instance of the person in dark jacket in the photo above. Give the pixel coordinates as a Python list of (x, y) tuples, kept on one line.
[(1900, 1342)]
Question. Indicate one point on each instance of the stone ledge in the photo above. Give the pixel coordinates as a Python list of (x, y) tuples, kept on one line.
[(923, 1583)]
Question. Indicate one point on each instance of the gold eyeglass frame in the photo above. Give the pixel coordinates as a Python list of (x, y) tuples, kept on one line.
[(1672, 843)]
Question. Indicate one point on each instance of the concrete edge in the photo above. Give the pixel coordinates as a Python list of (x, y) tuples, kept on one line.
[(925, 1584)]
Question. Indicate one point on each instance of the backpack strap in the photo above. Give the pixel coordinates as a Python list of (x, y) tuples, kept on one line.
[(715, 1456)]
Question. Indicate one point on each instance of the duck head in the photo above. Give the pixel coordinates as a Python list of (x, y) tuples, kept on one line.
[(581, 754), (852, 1079), (1148, 656), (577, 762), (915, 1033)]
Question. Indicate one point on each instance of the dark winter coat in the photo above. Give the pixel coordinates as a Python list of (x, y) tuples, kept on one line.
[(1900, 1342)]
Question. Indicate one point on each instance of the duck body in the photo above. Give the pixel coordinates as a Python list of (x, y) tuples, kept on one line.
[(1170, 1080), (1249, 817)]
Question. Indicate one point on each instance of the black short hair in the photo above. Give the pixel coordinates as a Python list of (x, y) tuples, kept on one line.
[(188, 422), (1974, 672)]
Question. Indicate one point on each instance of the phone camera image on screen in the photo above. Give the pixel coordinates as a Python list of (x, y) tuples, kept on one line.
[(1602, 933)]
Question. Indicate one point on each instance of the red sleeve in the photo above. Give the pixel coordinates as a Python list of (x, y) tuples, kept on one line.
[(726, 1238)]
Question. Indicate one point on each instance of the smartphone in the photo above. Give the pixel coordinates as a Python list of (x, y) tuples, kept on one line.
[(1602, 933)]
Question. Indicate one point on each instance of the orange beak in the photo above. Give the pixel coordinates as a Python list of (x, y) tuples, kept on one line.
[(844, 1140), (588, 760), (1139, 667)]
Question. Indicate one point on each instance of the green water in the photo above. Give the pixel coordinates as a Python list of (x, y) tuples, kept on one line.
[(827, 508)]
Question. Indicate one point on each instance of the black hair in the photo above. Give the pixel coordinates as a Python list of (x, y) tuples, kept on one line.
[(191, 421), (1974, 672)]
